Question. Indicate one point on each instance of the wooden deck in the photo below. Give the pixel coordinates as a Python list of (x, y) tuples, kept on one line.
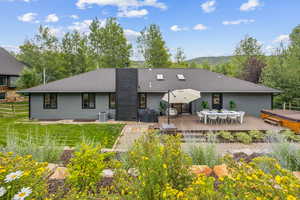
[(191, 123)]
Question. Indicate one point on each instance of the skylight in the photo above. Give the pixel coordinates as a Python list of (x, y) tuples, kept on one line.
[(180, 77), (159, 76)]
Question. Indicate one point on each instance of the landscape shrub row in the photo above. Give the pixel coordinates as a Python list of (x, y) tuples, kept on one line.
[(155, 168), (256, 136)]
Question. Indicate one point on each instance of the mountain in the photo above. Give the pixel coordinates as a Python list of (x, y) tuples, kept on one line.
[(211, 60)]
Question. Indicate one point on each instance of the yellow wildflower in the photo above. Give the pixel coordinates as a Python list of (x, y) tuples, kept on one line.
[(291, 197)]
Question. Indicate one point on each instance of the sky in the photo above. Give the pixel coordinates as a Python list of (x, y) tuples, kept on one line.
[(200, 27)]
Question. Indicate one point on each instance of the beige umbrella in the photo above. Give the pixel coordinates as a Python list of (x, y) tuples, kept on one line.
[(182, 96)]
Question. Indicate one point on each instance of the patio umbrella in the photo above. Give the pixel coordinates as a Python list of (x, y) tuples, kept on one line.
[(181, 96)]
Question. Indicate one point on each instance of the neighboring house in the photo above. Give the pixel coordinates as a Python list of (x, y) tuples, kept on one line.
[(125, 92), (10, 69)]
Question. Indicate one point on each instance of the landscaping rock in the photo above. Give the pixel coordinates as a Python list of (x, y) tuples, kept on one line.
[(297, 174), (60, 173), (107, 173), (221, 170), (201, 169), (52, 167)]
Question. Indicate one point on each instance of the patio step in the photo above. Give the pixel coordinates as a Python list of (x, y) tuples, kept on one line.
[(273, 121)]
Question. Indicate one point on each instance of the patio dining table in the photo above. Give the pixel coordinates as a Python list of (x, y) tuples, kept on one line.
[(227, 113)]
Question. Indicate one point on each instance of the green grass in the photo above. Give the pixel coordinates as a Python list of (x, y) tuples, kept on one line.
[(67, 134)]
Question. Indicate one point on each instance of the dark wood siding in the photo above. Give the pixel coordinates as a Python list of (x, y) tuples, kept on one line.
[(126, 94)]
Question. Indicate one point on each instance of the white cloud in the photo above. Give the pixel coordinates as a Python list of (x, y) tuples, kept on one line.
[(82, 26), (177, 28), (52, 18), (209, 6), (132, 13), (282, 38), (10, 48), (74, 16), (200, 27), (250, 5), (82, 4), (28, 17), (56, 31), (131, 34), (240, 21)]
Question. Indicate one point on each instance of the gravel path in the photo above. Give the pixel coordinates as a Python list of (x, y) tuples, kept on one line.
[(130, 133)]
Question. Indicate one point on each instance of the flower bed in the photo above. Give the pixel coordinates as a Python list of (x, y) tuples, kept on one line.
[(155, 168)]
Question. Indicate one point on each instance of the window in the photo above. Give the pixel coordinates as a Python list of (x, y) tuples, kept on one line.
[(2, 95), (159, 76), (3, 80), (142, 101), (88, 101), (12, 81), (50, 101), (180, 77), (112, 101)]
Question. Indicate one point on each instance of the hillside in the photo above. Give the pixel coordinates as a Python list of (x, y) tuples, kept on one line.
[(211, 60)]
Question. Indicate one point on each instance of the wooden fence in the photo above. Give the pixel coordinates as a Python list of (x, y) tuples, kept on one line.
[(14, 109), (290, 106)]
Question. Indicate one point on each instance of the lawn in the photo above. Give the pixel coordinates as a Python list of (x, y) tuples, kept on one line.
[(66, 134)]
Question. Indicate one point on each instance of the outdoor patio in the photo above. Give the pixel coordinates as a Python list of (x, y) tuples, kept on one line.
[(191, 123)]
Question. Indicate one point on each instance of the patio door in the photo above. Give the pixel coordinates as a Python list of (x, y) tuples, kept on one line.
[(182, 107), (217, 101)]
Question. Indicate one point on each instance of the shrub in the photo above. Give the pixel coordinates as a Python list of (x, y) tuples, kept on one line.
[(22, 174), (249, 181), (290, 135), (158, 162), (86, 167), (287, 154), (205, 155), (226, 135), (255, 134), (243, 137), (42, 149)]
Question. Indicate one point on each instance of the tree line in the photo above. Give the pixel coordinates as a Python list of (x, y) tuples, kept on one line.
[(106, 46)]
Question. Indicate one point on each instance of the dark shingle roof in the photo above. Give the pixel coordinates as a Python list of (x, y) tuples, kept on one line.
[(103, 80), (9, 65), (100, 80), (198, 79)]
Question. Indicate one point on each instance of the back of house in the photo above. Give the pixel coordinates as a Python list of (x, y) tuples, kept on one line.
[(125, 93)]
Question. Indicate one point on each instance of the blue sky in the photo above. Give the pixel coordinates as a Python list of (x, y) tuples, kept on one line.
[(200, 27)]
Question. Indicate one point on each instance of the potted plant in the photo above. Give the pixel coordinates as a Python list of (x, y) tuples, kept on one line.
[(162, 108), (204, 105), (232, 105)]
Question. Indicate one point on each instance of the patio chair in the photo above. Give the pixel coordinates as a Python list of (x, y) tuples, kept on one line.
[(233, 118), (212, 119), (172, 112), (241, 115), (222, 118), (201, 116)]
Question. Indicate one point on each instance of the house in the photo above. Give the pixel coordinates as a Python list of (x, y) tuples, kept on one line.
[(125, 92), (10, 69)]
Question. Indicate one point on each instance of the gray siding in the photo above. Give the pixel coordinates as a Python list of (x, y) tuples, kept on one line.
[(251, 103), (69, 106)]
